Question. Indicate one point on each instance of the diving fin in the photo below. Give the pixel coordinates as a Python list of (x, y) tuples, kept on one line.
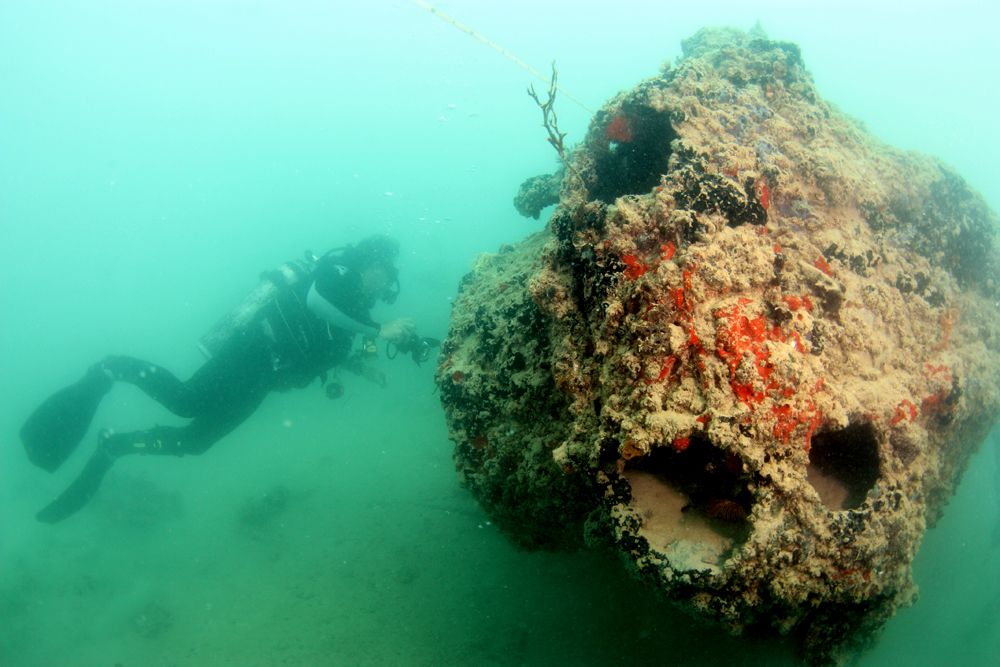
[(81, 490), (56, 427)]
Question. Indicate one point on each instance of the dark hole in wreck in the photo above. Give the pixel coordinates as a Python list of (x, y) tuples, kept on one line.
[(844, 466), (636, 155), (698, 495)]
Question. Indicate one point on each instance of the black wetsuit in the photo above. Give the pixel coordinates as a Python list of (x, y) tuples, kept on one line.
[(283, 346), (286, 347)]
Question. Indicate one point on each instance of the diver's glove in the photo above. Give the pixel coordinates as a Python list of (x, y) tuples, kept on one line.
[(398, 330), (358, 364)]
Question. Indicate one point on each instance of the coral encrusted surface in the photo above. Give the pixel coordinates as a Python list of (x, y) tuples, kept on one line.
[(752, 351)]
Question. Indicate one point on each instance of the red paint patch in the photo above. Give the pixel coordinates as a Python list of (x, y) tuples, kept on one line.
[(619, 130), (693, 339), (905, 409), (679, 301), (934, 404), (740, 335), (788, 420), (633, 267), (823, 265), (763, 195), (665, 370)]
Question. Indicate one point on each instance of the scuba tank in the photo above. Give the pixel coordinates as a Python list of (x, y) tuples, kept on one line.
[(255, 308)]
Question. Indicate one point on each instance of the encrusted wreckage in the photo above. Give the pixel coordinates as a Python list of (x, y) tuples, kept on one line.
[(752, 351)]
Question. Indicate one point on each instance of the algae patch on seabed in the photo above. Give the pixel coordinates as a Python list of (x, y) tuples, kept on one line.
[(753, 350)]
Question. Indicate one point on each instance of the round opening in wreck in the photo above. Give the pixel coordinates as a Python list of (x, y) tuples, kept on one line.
[(844, 466), (634, 152), (694, 505)]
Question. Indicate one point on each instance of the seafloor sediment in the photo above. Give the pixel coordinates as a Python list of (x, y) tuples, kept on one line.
[(752, 351)]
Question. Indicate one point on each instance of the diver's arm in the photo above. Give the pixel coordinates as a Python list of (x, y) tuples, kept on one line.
[(329, 313)]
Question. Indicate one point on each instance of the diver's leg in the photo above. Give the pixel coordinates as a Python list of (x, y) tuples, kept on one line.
[(156, 381), (194, 438), (219, 382), (54, 430)]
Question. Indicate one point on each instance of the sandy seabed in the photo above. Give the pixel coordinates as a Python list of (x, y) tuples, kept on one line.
[(336, 533)]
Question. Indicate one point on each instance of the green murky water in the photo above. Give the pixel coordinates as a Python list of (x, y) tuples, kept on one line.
[(156, 156)]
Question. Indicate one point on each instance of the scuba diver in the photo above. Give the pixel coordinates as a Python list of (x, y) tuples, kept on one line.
[(298, 323)]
